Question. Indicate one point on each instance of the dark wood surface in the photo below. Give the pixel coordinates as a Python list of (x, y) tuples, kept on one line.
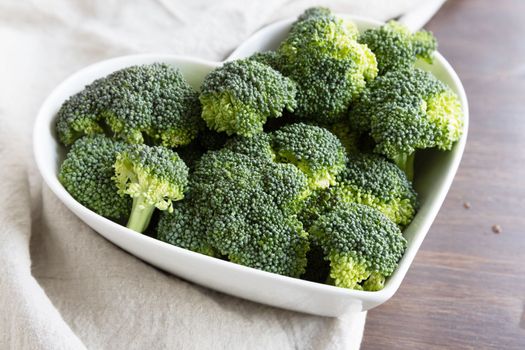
[(466, 288)]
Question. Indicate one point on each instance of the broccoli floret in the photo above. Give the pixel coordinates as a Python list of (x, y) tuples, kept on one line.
[(269, 58), (370, 180), (154, 177), (258, 146), (374, 181), (185, 228), (313, 149), (323, 12), (375, 282), (330, 67), (247, 208), (314, 12), (240, 96), (406, 110), (87, 173), (149, 101), (359, 241), (395, 47)]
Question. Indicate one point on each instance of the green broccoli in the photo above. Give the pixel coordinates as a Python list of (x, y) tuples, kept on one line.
[(240, 96), (151, 102), (244, 208), (154, 177), (405, 110), (279, 180), (313, 149), (370, 180), (330, 67), (258, 146), (185, 228), (268, 58), (360, 243), (87, 173), (378, 183), (395, 47), (314, 12)]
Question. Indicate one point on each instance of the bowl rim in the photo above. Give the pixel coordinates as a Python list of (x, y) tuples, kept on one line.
[(45, 118)]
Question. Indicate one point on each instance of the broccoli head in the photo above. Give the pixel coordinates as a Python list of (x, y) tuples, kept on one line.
[(240, 96), (313, 149), (360, 243), (185, 228), (314, 12), (370, 180), (258, 146), (374, 181), (405, 110), (268, 58), (395, 47), (87, 173), (152, 102), (330, 67), (245, 210), (153, 176)]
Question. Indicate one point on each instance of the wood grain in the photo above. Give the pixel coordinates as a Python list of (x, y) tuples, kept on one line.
[(466, 288)]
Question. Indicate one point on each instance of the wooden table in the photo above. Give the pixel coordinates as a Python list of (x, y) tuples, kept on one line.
[(466, 288)]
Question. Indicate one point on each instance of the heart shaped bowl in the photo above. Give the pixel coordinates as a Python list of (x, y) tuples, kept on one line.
[(434, 173)]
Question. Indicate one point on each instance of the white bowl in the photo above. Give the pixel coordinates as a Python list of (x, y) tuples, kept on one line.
[(435, 172)]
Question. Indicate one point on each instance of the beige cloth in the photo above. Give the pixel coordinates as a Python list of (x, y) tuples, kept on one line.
[(62, 286)]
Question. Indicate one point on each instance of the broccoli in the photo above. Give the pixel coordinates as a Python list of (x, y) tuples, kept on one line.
[(378, 183), (370, 180), (360, 243), (244, 208), (296, 161), (330, 67), (240, 96), (87, 173), (314, 12), (258, 146), (405, 110), (269, 58), (185, 228), (313, 149), (395, 47), (136, 104), (154, 176)]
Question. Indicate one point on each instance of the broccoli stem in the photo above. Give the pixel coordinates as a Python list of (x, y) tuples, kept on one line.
[(140, 214), (406, 163)]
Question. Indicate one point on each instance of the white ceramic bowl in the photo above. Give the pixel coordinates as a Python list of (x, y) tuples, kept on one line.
[(434, 171)]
